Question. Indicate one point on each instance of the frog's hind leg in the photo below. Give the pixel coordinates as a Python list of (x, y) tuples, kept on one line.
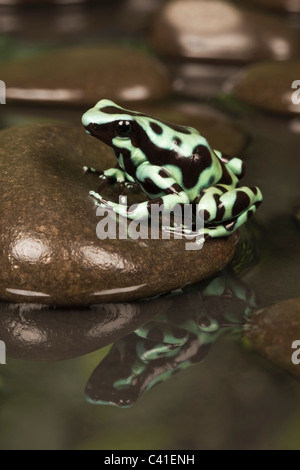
[(234, 164), (222, 203), (225, 229), (225, 209)]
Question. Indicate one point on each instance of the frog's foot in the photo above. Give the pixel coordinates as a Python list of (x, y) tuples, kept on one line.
[(100, 201), (129, 185), (112, 175), (100, 174), (180, 231), (217, 230), (142, 210), (134, 212)]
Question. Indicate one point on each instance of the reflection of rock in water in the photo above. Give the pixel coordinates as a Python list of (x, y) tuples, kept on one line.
[(41, 332), (177, 338)]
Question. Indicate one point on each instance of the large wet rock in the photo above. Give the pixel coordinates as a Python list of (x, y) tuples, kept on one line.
[(220, 31), (83, 75), (269, 86), (275, 333), (50, 252)]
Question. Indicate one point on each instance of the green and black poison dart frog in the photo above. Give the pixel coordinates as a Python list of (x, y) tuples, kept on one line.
[(172, 165)]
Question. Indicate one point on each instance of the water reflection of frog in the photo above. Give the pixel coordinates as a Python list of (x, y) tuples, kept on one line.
[(177, 338), (172, 165)]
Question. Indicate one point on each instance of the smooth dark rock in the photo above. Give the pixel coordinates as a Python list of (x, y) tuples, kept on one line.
[(220, 31), (50, 252), (84, 75), (269, 86), (273, 330)]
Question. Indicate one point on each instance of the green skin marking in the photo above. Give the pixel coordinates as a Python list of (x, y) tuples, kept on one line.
[(173, 341), (172, 165)]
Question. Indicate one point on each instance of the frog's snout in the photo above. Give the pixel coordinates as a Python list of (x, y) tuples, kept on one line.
[(91, 129)]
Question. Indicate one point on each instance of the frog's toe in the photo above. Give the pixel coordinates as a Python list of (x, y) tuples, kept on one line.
[(99, 200), (186, 232), (128, 185), (90, 169), (179, 230), (108, 179)]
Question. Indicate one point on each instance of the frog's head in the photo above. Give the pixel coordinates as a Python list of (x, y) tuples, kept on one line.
[(136, 132), (112, 124)]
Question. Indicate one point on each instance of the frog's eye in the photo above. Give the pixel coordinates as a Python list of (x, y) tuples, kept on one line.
[(123, 128)]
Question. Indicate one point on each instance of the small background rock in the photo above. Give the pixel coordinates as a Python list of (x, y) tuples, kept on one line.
[(272, 331), (217, 30), (268, 86), (291, 6), (79, 76)]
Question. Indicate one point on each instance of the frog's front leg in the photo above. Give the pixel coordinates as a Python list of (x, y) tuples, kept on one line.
[(161, 180), (117, 175), (113, 175), (226, 209)]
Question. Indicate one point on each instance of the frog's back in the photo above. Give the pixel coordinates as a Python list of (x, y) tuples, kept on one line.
[(183, 152)]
